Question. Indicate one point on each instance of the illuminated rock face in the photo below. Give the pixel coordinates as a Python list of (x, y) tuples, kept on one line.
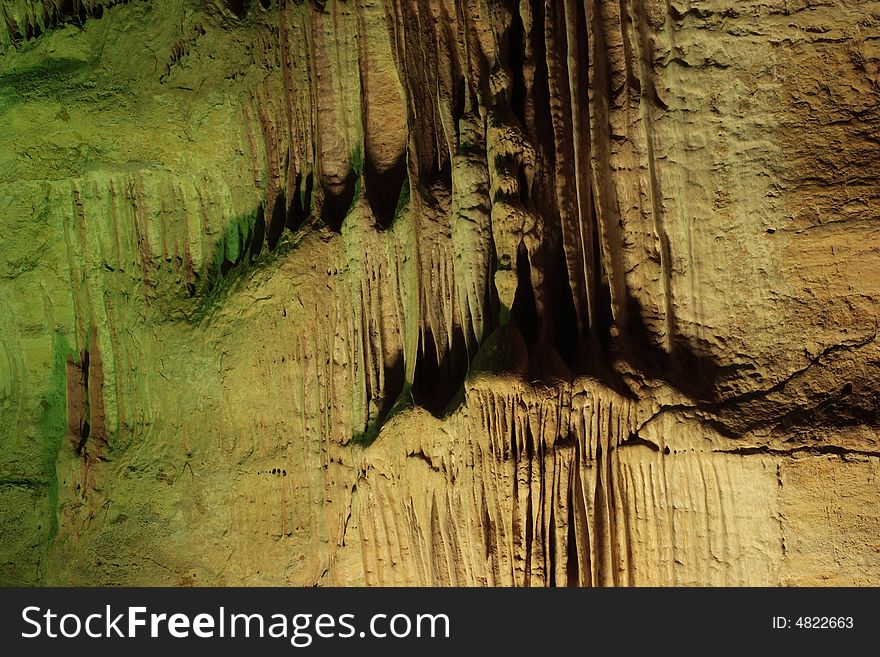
[(394, 292)]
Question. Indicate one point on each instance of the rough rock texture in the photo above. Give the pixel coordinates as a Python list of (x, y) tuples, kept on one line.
[(492, 292)]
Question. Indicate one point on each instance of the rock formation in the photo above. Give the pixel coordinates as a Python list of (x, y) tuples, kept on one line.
[(484, 292)]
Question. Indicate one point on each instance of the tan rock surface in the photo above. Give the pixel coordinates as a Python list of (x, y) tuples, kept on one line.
[(548, 292)]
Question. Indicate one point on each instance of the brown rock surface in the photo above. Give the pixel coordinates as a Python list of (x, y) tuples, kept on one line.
[(537, 292)]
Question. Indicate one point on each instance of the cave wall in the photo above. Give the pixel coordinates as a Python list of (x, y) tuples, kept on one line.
[(377, 292)]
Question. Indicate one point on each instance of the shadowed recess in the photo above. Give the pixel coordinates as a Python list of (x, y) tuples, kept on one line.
[(383, 188), (438, 379)]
